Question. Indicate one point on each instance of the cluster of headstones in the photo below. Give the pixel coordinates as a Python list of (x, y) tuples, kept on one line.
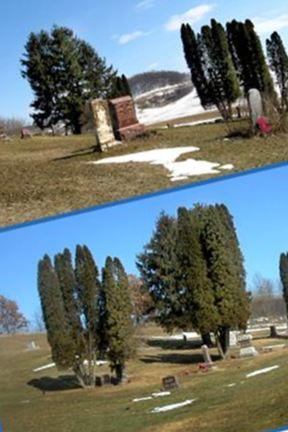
[(115, 121)]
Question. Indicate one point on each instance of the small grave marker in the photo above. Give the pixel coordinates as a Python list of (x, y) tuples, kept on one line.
[(170, 383)]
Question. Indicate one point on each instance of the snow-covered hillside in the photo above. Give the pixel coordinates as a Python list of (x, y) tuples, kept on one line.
[(183, 107)]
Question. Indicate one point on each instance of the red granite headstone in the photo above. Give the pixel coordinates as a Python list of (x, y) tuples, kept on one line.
[(124, 119)]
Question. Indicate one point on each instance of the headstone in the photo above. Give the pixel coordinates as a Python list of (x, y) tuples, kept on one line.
[(170, 383), (233, 338), (25, 133), (103, 380), (271, 348), (206, 355), (31, 346), (248, 352), (255, 104), (124, 119), (103, 126), (245, 340)]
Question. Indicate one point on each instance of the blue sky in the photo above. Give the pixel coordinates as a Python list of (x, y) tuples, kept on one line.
[(257, 201), (133, 35)]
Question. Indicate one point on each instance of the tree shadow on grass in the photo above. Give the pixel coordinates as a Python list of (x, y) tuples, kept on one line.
[(78, 153), (63, 382), (177, 358), (168, 344)]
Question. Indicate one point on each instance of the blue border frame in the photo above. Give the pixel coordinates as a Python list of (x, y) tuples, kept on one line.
[(143, 197), (283, 428)]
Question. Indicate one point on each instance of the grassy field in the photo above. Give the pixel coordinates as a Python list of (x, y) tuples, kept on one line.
[(252, 405), (46, 176)]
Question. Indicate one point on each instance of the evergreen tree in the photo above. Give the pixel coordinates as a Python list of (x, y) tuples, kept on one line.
[(219, 67), (249, 59), (64, 73), (194, 58), (278, 60), (118, 315), (199, 311), (54, 315), (212, 69), (158, 266), (88, 288), (67, 282), (225, 272), (283, 267)]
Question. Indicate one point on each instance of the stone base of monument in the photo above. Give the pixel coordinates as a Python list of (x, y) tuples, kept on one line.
[(104, 147), (248, 352), (131, 132)]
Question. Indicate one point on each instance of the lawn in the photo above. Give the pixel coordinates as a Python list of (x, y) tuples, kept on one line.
[(252, 405), (45, 176)]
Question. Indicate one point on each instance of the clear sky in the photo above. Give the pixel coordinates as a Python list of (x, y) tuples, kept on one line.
[(257, 201), (133, 35)]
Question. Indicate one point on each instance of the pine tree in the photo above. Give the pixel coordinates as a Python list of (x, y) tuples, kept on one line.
[(283, 268), (212, 69), (278, 60), (249, 59), (118, 315), (67, 282), (88, 288), (158, 266), (54, 315), (64, 72), (222, 254), (220, 67), (194, 59), (199, 311)]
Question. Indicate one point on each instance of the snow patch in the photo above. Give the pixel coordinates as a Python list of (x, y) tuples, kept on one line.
[(168, 158), (48, 366), (142, 399), (186, 106), (262, 371), (172, 406)]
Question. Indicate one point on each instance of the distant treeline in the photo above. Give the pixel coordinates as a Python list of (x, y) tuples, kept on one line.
[(144, 82)]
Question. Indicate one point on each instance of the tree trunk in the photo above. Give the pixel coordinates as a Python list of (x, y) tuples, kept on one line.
[(206, 338), (77, 128), (222, 341), (119, 368)]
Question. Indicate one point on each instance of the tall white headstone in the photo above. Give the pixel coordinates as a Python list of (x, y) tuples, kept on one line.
[(103, 124), (256, 105)]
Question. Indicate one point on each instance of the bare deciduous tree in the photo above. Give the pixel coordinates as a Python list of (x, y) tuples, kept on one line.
[(11, 319)]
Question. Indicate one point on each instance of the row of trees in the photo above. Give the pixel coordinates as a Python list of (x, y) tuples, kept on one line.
[(64, 73), (225, 62), (194, 272), (86, 316)]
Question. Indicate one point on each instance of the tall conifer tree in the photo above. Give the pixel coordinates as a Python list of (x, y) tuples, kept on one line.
[(158, 265), (278, 60), (283, 268), (118, 315)]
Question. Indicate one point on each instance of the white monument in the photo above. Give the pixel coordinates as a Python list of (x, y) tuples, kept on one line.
[(103, 125), (255, 104)]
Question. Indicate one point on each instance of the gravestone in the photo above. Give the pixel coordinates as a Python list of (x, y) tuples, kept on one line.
[(206, 355), (255, 105), (124, 119), (31, 346), (170, 383), (103, 126), (248, 352), (245, 340), (233, 338)]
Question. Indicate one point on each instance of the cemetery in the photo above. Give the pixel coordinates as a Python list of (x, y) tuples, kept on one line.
[(111, 144), (243, 386)]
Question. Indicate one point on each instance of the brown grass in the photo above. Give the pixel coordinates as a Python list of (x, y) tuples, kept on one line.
[(47, 176)]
